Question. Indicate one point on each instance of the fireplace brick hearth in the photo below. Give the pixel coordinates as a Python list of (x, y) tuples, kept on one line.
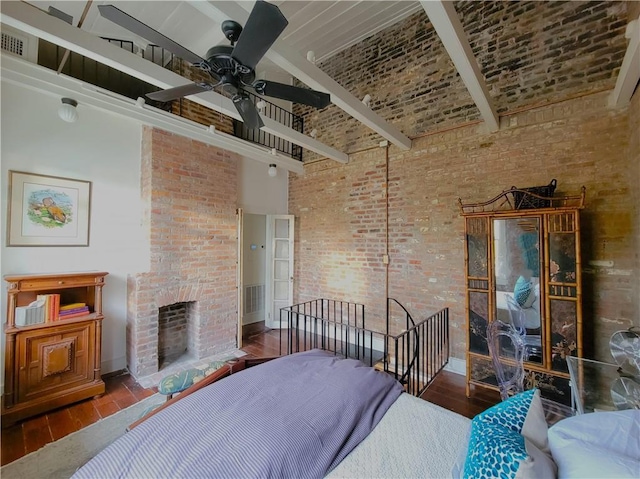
[(190, 197)]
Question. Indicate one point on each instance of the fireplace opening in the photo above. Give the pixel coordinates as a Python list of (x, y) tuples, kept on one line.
[(175, 333)]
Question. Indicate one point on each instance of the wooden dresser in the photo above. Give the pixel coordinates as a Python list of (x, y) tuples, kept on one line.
[(56, 362)]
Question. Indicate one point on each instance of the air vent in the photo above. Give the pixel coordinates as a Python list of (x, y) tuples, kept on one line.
[(13, 44), (253, 298), (19, 43)]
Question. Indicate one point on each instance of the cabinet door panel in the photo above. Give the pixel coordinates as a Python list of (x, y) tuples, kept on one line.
[(477, 247), (478, 321), (551, 387), (564, 325), (54, 359), (481, 370)]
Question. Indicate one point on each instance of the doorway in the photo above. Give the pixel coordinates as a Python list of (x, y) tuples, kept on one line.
[(265, 279)]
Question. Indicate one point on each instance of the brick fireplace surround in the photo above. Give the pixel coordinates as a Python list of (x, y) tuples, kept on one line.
[(190, 197)]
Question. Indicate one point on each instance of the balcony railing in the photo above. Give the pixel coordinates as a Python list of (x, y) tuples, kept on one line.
[(91, 71), (278, 114)]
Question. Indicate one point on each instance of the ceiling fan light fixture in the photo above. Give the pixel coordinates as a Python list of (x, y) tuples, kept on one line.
[(272, 170), (261, 105), (67, 110)]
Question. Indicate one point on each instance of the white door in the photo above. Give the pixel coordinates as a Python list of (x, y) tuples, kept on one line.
[(279, 287)]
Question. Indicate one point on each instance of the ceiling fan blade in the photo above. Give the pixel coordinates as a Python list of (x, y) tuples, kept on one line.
[(263, 27), (125, 20), (178, 92), (248, 111), (295, 94)]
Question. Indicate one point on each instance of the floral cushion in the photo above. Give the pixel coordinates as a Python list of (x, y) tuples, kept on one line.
[(175, 383)]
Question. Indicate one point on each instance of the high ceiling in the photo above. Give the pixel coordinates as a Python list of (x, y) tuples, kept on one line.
[(323, 27)]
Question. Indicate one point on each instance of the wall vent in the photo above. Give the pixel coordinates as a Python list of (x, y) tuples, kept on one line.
[(19, 44), (13, 44), (253, 298)]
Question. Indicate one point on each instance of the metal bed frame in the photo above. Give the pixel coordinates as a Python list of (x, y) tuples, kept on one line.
[(414, 356)]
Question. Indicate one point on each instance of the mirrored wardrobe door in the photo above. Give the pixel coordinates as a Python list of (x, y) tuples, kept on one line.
[(516, 268)]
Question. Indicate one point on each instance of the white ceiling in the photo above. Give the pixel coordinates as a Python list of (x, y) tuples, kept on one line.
[(324, 27)]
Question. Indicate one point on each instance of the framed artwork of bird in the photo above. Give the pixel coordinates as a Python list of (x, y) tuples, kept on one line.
[(47, 210)]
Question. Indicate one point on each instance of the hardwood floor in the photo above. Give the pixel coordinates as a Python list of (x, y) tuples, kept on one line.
[(447, 390)]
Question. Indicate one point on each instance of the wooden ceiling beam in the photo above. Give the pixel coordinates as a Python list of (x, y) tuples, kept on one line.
[(291, 61), (445, 21), (629, 75)]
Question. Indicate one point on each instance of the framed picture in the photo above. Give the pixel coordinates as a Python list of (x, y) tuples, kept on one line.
[(47, 210)]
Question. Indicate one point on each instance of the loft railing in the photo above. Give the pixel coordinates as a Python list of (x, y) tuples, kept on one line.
[(273, 111), (91, 71), (88, 70)]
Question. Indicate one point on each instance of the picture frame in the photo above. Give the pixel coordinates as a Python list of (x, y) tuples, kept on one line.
[(47, 210)]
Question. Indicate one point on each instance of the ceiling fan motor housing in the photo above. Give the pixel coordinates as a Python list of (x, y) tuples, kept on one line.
[(223, 64), (231, 66)]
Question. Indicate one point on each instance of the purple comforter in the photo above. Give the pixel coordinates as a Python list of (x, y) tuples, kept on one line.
[(296, 416)]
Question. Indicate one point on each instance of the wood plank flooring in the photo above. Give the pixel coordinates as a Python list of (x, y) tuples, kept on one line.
[(448, 391)]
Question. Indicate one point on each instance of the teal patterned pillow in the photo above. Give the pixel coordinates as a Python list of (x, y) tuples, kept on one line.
[(499, 452), (522, 413), (494, 451), (507, 437)]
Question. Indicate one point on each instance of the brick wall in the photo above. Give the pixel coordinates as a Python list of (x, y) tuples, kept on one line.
[(189, 193), (341, 209), (529, 52)]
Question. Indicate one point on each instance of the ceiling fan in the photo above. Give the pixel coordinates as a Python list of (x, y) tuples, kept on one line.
[(232, 67)]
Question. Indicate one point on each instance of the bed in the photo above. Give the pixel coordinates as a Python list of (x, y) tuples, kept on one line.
[(315, 414), (302, 415)]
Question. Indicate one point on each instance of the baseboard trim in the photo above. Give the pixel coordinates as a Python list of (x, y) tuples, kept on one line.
[(113, 365), (457, 365)]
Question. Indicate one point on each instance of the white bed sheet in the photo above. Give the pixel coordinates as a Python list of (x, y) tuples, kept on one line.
[(415, 438)]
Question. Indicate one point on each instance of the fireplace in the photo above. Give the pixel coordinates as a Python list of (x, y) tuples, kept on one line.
[(175, 332), (190, 197)]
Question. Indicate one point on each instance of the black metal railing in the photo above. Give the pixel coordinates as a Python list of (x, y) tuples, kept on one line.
[(279, 114), (90, 71), (103, 76), (414, 356)]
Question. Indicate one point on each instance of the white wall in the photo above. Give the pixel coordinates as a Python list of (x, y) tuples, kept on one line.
[(258, 193), (101, 148), (254, 259), (105, 149)]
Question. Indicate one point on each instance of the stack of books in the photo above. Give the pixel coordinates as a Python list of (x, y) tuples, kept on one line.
[(51, 305), (72, 310)]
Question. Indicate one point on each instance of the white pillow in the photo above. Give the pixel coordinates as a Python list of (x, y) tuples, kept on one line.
[(598, 445)]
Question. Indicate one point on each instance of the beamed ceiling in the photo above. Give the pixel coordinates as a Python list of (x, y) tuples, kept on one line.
[(325, 28)]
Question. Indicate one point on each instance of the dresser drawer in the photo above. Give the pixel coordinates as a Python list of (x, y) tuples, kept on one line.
[(51, 283)]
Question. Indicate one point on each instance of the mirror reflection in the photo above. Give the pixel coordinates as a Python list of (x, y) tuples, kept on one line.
[(517, 280)]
